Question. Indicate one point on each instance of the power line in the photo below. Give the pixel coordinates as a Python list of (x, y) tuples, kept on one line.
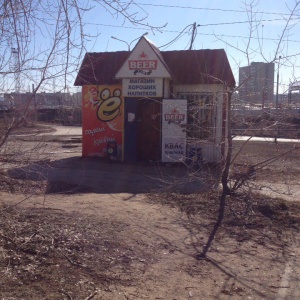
[(243, 22), (175, 31), (177, 37), (292, 55), (206, 8)]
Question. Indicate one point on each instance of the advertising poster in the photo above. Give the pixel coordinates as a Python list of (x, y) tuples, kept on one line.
[(102, 120), (174, 121)]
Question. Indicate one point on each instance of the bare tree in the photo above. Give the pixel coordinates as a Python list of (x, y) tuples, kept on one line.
[(233, 180), (42, 41)]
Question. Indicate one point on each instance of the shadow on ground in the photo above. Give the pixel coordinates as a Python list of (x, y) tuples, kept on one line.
[(86, 175)]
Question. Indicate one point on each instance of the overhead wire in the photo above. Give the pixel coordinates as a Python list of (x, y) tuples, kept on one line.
[(186, 30), (175, 31), (243, 22), (177, 37), (206, 8)]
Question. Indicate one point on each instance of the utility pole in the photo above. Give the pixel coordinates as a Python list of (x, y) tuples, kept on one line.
[(34, 103), (193, 35), (16, 68), (277, 86)]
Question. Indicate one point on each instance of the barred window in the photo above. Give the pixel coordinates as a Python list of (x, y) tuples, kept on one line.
[(199, 114)]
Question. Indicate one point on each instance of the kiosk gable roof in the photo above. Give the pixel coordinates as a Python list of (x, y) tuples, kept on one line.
[(144, 52), (186, 67)]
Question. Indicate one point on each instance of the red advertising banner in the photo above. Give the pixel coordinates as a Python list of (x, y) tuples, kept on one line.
[(102, 120)]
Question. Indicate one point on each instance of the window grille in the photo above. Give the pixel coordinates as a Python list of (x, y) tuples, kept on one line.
[(200, 121)]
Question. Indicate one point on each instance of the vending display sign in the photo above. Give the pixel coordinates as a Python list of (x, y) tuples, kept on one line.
[(174, 118), (144, 62), (102, 119), (142, 87)]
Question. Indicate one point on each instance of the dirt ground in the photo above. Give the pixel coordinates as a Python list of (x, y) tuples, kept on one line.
[(75, 228)]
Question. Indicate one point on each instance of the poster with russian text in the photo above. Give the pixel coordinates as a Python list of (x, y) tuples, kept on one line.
[(102, 119), (174, 119)]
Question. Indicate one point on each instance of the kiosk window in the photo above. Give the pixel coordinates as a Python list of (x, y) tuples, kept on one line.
[(200, 123)]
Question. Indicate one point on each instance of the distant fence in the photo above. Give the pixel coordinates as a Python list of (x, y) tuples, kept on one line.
[(258, 112)]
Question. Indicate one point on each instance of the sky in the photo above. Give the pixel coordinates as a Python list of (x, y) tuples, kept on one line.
[(249, 31), (220, 25)]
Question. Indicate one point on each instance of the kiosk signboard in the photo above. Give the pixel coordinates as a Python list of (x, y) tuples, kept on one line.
[(142, 87), (143, 62), (174, 118)]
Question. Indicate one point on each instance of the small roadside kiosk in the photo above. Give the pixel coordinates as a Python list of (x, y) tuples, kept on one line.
[(148, 105)]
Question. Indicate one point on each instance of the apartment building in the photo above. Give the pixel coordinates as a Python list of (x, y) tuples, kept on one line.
[(257, 84)]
